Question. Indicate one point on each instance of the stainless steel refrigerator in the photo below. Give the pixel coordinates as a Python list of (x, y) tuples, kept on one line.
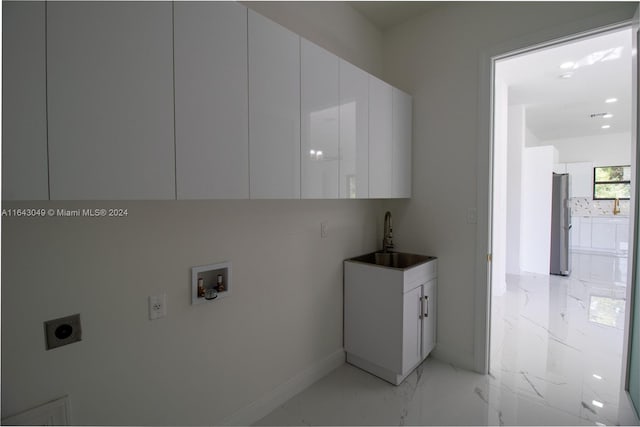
[(560, 262)]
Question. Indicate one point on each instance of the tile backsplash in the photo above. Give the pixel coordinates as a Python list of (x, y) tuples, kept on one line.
[(586, 206)]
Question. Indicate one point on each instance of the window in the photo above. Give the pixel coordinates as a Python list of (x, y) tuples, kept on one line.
[(611, 182)]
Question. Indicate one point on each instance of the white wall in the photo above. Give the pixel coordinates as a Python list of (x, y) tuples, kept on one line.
[(516, 132), (531, 140), (436, 58), (333, 25), (535, 232), (200, 364), (603, 150)]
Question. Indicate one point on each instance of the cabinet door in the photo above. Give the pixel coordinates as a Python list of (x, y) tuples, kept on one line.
[(580, 179), (622, 234), (575, 232), (585, 230), (320, 100), (354, 132), (274, 110), (412, 329), (603, 233), (110, 100), (429, 317), (25, 172), (380, 138), (401, 167), (212, 128)]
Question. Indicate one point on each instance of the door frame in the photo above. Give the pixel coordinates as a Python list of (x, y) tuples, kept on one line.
[(633, 291), (599, 24)]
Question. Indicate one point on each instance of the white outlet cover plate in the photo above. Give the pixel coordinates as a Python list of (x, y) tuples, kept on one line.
[(324, 229), (157, 306)]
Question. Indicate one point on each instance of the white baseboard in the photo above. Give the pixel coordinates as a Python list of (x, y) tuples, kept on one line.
[(270, 401)]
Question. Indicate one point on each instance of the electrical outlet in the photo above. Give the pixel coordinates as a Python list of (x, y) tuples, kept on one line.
[(157, 306), (62, 331), (324, 229), (472, 216)]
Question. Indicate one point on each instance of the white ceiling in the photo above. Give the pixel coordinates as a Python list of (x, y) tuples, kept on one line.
[(385, 14), (561, 108)]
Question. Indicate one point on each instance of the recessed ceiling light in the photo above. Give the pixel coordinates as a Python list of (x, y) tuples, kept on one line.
[(596, 376), (611, 100), (598, 404), (607, 116), (567, 65), (566, 75), (605, 126)]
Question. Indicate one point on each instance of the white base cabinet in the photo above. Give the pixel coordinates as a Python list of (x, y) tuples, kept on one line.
[(390, 317)]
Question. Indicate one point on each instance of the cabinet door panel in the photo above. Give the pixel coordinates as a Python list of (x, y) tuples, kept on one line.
[(212, 128), (401, 175), (430, 316), (603, 234), (586, 226), (274, 110), (580, 179), (354, 132), (24, 125), (380, 138), (412, 328), (110, 100), (320, 99)]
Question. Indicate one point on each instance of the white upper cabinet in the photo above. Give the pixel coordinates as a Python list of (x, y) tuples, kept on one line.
[(192, 100), (401, 168), (320, 110), (110, 100), (380, 139), (24, 123), (580, 179), (354, 132), (274, 110), (211, 106)]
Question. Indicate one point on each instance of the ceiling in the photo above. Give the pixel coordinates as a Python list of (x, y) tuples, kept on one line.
[(385, 14), (559, 107)]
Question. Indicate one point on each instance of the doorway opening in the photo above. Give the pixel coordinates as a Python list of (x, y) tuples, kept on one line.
[(563, 111)]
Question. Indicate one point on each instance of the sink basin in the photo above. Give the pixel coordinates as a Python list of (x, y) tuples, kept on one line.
[(393, 259)]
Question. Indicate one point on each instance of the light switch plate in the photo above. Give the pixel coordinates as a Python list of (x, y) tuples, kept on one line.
[(324, 229)]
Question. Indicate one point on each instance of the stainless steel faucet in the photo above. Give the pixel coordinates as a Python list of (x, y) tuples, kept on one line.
[(387, 239)]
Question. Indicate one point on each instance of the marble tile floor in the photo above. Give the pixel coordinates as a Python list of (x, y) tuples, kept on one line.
[(556, 358)]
